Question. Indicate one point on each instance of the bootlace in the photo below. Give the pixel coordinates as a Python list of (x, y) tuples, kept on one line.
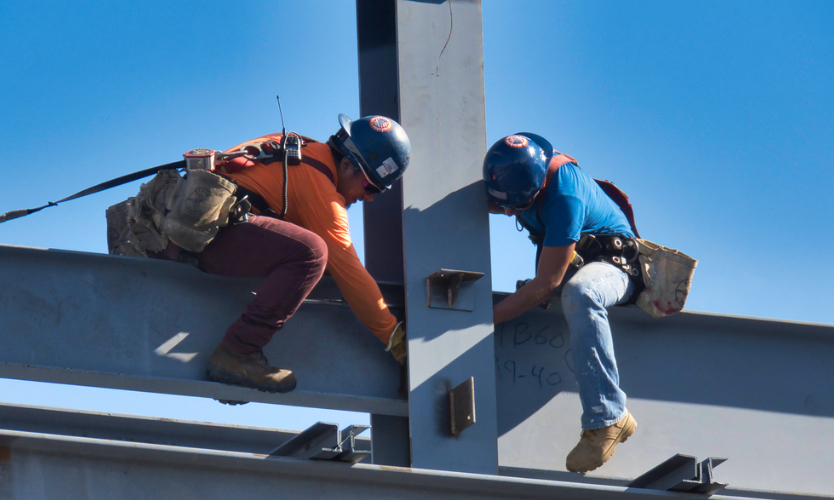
[(260, 358)]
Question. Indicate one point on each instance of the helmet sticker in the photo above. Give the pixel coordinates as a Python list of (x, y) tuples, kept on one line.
[(388, 167), (380, 124), (516, 141), (497, 194)]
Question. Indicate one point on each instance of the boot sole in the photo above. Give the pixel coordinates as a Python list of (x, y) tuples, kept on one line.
[(219, 375)]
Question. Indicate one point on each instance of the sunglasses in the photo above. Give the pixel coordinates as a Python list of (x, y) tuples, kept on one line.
[(526, 205), (370, 188)]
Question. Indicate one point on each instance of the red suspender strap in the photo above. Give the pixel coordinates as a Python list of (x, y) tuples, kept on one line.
[(621, 199), (613, 192), (557, 161)]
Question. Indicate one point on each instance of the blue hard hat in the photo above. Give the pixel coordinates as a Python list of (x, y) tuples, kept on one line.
[(376, 145), (515, 169)]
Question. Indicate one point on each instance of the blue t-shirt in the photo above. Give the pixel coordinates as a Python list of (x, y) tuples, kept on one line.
[(574, 204)]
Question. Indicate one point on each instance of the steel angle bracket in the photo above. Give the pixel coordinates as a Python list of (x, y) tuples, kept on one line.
[(682, 473), (319, 441), (353, 450), (462, 406), (450, 289), (324, 441)]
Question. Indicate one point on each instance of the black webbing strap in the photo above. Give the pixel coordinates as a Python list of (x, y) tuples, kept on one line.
[(14, 214), (256, 200)]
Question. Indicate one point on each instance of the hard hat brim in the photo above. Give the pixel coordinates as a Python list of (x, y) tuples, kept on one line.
[(345, 122)]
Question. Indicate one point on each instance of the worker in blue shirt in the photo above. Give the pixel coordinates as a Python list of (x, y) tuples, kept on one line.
[(583, 235)]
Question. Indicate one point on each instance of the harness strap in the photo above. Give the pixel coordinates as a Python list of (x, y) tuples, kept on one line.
[(616, 194), (118, 181), (258, 201), (583, 246)]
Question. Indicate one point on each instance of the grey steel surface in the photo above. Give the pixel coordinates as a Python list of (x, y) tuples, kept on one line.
[(756, 391), (383, 223), (379, 95), (35, 466), (389, 440), (445, 225), (759, 392), (148, 325), (132, 428), (94, 455)]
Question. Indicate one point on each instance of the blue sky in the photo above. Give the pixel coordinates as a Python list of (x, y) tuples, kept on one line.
[(715, 117)]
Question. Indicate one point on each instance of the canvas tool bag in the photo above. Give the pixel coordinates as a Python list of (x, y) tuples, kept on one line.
[(188, 211), (199, 207), (667, 274)]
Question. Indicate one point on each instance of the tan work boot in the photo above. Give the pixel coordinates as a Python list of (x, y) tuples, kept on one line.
[(249, 370), (596, 446)]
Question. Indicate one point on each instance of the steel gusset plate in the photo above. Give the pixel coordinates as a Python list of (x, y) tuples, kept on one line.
[(353, 450)]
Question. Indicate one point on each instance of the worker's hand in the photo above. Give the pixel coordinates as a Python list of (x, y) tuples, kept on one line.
[(398, 345)]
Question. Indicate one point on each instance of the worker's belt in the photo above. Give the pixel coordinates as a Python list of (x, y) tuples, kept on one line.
[(619, 251)]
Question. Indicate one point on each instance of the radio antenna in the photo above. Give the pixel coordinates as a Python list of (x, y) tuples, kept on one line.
[(283, 129)]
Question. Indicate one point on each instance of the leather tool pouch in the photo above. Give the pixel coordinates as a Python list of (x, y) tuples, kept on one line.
[(198, 208), (120, 238), (188, 211), (667, 274)]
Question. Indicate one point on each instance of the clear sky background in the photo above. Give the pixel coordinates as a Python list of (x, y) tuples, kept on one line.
[(716, 117)]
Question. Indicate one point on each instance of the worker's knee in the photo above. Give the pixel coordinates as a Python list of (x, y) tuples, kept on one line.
[(576, 295), (318, 250)]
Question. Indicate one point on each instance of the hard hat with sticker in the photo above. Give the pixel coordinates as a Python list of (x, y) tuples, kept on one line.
[(516, 141), (380, 124)]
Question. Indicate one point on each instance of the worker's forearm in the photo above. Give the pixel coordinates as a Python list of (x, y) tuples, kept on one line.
[(525, 299)]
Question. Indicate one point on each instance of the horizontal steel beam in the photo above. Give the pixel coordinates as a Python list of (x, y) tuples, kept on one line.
[(149, 325), (99, 455), (758, 392), (39, 466), (150, 430), (699, 384)]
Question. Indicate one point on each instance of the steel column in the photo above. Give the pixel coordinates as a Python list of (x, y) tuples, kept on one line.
[(378, 94), (445, 225)]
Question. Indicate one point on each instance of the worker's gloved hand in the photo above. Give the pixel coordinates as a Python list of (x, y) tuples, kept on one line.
[(397, 345)]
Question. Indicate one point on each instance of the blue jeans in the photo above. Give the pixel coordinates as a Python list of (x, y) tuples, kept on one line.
[(585, 296)]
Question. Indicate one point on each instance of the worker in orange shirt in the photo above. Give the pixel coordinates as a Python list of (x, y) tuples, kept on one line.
[(291, 241)]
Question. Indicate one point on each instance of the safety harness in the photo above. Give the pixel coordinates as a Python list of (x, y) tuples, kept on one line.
[(257, 152), (619, 250), (189, 211)]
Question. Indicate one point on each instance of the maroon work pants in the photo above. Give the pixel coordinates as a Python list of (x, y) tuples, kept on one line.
[(291, 258)]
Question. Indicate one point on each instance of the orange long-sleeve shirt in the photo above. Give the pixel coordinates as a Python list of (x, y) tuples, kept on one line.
[(314, 204)]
